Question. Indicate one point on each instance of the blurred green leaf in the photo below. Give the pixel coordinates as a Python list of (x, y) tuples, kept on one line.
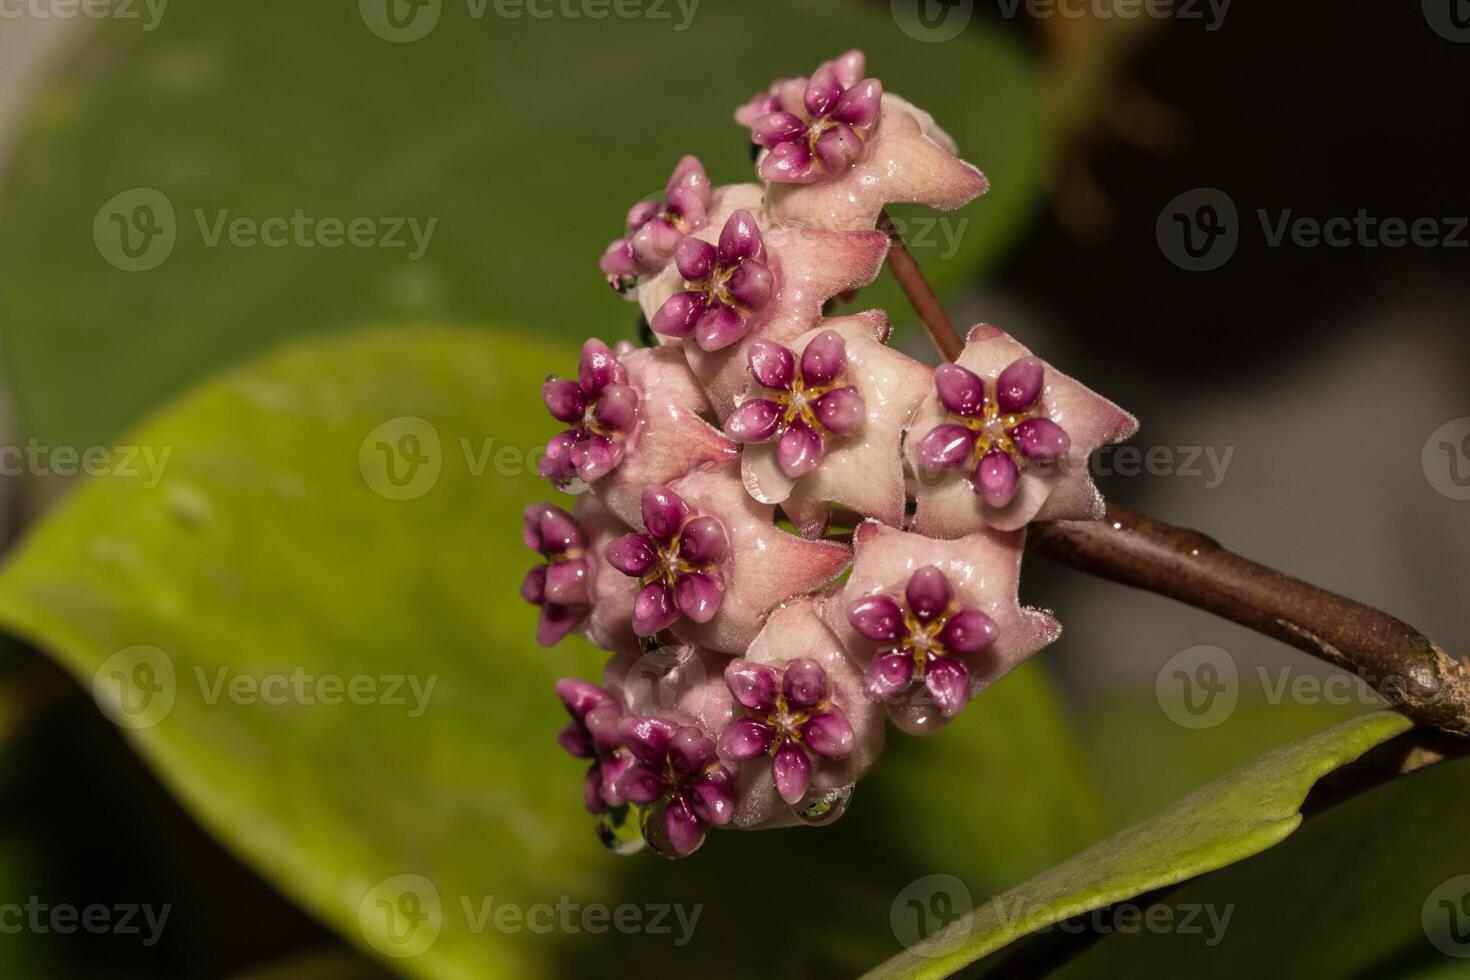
[(524, 139), (265, 550), (1355, 892), (1232, 818)]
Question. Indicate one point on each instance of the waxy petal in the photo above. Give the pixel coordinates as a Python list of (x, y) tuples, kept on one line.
[(670, 438), (678, 316), (740, 239), (795, 634), (829, 734), (968, 631), (754, 421), (751, 286), (704, 541), (927, 593), (904, 158), (533, 586), (766, 567), (598, 368), (804, 683), (640, 784), (698, 595), (947, 683), (877, 617), (996, 478), (983, 571), (777, 127), (960, 390), (681, 684), (745, 739), (564, 399), (772, 365), (1019, 385), (841, 411), (713, 797), (859, 105), (555, 622), (862, 469), (946, 447), (720, 326), (799, 450), (1041, 440), (696, 259), (753, 685), (632, 554), (567, 583), (690, 750), (1061, 490), (664, 513), (889, 675), (654, 609), (685, 830), (648, 739), (823, 358), (793, 772)]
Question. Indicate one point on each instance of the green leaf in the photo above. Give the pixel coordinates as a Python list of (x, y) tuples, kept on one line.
[(264, 550), (1355, 892), (1234, 817), (525, 140)]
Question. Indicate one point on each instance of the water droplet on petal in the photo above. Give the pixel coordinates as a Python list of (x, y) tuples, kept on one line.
[(826, 808), (620, 830)]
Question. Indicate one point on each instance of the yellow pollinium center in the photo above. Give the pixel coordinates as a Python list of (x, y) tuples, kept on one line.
[(923, 638), (787, 721), (800, 402), (671, 565), (993, 430)]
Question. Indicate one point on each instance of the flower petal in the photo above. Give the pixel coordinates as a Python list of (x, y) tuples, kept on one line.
[(647, 738), (704, 541), (698, 595), (632, 554), (799, 450), (684, 829), (755, 420), (947, 682), (928, 592), (772, 365), (877, 617), (960, 389), (555, 622), (664, 513), (968, 631), (829, 734), (713, 797), (1019, 385), (889, 675), (654, 609), (564, 399), (841, 411), (754, 685), (824, 358), (598, 368), (793, 772), (745, 739), (805, 683)]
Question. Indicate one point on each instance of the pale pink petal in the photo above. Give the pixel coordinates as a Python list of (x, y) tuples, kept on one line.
[(610, 625), (766, 567), (983, 570), (795, 632), (947, 503), (683, 684), (905, 158), (670, 438), (862, 471)]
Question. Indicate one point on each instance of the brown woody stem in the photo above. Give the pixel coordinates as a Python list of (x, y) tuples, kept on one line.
[(1404, 666)]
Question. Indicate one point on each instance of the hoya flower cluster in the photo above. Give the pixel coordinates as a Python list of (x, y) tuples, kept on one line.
[(786, 532)]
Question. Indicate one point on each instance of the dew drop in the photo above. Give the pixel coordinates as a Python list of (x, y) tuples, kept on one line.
[(827, 808), (620, 830)]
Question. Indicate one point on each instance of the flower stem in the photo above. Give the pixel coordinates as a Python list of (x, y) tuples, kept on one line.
[(1407, 669)]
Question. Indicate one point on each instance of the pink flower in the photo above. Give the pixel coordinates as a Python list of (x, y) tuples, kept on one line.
[(936, 621), (654, 229), (839, 150), (1005, 440), (825, 427)]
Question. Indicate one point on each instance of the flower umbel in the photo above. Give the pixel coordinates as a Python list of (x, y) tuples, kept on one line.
[(807, 403), (822, 133)]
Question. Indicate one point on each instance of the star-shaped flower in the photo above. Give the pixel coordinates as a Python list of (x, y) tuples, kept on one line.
[(593, 734), (726, 286), (654, 228), (807, 268), (635, 420), (843, 150), (805, 719), (576, 590), (825, 427), (680, 561), (678, 774), (1005, 439), (936, 621)]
